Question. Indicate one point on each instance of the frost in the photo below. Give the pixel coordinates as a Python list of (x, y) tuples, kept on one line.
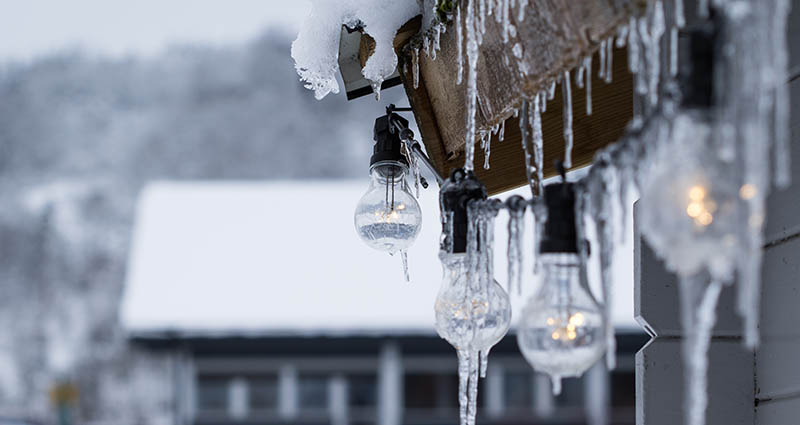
[(316, 49)]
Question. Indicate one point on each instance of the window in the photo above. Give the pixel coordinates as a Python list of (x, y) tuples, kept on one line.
[(313, 392), (431, 391), (362, 390), (572, 392), (518, 389), (263, 392), (362, 398), (212, 393)]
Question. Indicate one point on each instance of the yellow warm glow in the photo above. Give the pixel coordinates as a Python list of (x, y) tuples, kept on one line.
[(551, 321), (556, 335), (576, 319), (747, 191), (697, 193), (704, 219), (571, 335), (694, 209), (387, 216)]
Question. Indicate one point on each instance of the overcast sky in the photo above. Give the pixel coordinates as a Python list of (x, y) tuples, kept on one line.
[(32, 28)]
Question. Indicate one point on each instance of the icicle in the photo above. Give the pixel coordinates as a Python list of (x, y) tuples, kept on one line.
[(521, 10), (460, 46), (782, 150), (579, 75), (609, 73), (673, 52), (543, 100), (622, 36), (473, 388), (538, 146), (484, 362), (487, 150), (502, 133), (404, 258), (415, 67), (539, 211), (556, 380), (601, 192), (472, 86), (516, 229), (698, 302), (566, 93), (587, 63), (601, 73), (463, 383), (654, 51), (633, 46), (523, 128), (376, 88), (551, 90), (680, 19)]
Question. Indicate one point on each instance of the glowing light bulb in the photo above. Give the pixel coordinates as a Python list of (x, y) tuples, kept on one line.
[(561, 331), (470, 318), (388, 217)]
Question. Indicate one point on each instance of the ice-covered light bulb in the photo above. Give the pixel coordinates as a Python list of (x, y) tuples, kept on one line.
[(561, 331), (388, 217), (693, 206), (469, 316)]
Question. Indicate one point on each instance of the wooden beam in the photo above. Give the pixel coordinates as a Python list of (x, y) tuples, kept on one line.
[(554, 36)]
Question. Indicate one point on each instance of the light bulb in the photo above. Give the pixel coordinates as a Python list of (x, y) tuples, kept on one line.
[(693, 208), (388, 217), (470, 317), (561, 331)]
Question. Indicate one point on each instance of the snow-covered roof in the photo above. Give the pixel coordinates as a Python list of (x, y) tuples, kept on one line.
[(220, 259)]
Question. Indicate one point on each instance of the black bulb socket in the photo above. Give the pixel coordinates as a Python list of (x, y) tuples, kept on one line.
[(698, 49), (560, 230), (388, 144), (461, 188)]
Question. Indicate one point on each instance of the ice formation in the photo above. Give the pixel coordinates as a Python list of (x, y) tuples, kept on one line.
[(703, 173), (316, 49), (473, 312)]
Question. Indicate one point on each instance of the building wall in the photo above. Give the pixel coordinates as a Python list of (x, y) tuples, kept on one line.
[(777, 374), (377, 381), (760, 388)]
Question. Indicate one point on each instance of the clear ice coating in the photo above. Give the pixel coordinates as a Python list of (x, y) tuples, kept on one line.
[(473, 312), (388, 217), (316, 49), (472, 83), (698, 304), (561, 331), (566, 92)]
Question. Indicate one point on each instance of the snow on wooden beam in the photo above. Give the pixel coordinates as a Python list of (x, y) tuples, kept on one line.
[(554, 36)]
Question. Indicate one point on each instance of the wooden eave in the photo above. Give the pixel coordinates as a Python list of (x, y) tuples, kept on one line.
[(555, 36)]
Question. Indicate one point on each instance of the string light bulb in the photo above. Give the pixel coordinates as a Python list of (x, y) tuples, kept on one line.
[(388, 217), (562, 328)]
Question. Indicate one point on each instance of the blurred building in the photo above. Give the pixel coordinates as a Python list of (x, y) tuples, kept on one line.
[(257, 304)]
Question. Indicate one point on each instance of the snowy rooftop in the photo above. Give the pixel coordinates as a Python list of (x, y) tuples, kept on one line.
[(217, 259)]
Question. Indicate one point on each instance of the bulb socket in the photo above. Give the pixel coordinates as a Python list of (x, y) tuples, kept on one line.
[(560, 231), (456, 193), (698, 50), (388, 144)]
